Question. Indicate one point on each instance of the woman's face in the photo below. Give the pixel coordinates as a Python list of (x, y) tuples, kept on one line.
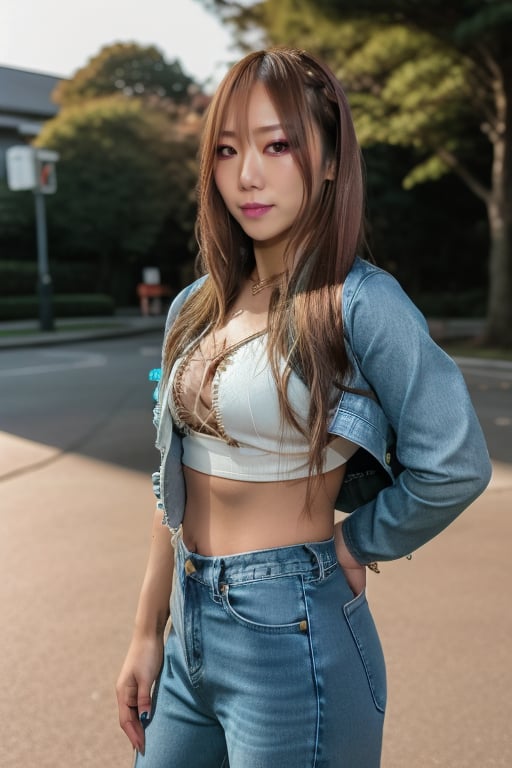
[(257, 176)]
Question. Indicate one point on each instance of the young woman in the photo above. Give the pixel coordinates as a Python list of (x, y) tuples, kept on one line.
[(297, 378)]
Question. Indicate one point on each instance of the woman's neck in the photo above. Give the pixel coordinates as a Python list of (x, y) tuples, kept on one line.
[(269, 261)]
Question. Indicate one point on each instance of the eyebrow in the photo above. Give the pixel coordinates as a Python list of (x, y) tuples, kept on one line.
[(261, 129)]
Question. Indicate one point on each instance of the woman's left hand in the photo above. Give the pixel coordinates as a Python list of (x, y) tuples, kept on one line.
[(355, 573)]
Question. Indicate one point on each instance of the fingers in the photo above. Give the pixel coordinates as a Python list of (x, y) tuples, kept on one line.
[(135, 732), (143, 702), (134, 685), (127, 696)]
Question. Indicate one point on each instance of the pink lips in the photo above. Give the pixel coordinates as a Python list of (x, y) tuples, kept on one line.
[(255, 210)]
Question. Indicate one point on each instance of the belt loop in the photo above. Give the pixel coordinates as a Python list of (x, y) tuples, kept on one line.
[(318, 560), (214, 578), (217, 573)]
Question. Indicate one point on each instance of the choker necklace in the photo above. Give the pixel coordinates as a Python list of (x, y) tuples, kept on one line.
[(265, 282)]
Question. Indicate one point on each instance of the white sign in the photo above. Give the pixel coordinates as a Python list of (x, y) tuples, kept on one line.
[(31, 168)]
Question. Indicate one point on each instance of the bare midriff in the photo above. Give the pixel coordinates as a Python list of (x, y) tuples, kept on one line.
[(225, 517)]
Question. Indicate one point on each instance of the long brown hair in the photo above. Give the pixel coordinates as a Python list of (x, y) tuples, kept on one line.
[(305, 319)]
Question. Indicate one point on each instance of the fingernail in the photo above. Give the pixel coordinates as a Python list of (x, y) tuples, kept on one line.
[(144, 718)]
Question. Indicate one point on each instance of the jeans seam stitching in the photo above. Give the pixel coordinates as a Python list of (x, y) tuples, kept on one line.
[(315, 677)]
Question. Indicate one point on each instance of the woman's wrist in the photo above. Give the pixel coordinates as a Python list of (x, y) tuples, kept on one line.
[(154, 627), (345, 557)]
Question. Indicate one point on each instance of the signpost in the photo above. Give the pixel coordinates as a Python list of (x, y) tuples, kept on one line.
[(33, 168)]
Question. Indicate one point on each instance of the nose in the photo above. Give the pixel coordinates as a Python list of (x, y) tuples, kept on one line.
[(251, 171)]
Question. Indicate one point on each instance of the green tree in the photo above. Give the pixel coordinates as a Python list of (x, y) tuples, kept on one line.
[(127, 136), (125, 172), (433, 76), (129, 69), (17, 229)]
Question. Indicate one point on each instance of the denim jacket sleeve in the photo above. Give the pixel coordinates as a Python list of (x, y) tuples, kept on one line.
[(439, 441)]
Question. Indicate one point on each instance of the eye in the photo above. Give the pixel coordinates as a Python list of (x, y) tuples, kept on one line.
[(224, 150), (278, 148)]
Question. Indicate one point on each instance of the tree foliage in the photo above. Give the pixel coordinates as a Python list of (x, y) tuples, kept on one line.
[(129, 69), (16, 212), (407, 87), (479, 32), (127, 135), (124, 170), (432, 76)]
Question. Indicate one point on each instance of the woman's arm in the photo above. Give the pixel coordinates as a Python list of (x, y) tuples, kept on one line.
[(355, 573), (439, 441), (144, 658)]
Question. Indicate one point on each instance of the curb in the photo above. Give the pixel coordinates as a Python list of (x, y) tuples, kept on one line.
[(140, 325), (54, 338), (479, 362)]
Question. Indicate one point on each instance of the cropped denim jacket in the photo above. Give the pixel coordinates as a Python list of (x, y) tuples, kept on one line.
[(422, 458)]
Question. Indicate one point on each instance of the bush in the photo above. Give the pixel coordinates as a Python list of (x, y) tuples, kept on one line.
[(467, 304), (64, 305), (74, 277), (18, 278)]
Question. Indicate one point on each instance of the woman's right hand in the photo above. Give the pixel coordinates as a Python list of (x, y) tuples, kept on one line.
[(140, 670)]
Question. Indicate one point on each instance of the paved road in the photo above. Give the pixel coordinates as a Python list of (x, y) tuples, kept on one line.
[(76, 448), (76, 503), (491, 391), (93, 398)]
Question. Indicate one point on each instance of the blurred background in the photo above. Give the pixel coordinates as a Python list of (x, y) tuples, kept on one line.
[(429, 89), (118, 91)]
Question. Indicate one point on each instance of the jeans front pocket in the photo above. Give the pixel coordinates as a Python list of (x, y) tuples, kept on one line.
[(274, 605), (363, 630)]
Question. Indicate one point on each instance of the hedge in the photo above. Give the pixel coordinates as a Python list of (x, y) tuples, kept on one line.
[(19, 278), (445, 304), (64, 305)]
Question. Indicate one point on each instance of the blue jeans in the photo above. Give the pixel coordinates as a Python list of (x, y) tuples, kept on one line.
[(271, 662)]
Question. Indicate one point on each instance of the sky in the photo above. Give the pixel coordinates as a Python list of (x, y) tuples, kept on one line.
[(58, 37)]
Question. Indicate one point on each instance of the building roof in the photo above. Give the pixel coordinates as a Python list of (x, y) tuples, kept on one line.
[(27, 93)]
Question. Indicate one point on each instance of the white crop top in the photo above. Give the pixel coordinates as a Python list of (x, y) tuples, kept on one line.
[(241, 434)]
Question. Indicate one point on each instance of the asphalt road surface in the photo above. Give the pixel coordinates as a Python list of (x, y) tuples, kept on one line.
[(76, 448), (94, 398)]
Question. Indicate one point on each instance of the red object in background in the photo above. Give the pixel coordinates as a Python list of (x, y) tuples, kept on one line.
[(150, 297)]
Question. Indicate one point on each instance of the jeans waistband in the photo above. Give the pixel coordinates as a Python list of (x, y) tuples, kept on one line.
[(313, 558)]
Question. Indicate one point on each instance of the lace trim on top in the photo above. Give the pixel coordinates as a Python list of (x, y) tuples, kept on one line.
[(187, 418)]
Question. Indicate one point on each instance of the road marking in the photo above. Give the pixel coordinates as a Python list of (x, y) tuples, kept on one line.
[(74, 361)]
